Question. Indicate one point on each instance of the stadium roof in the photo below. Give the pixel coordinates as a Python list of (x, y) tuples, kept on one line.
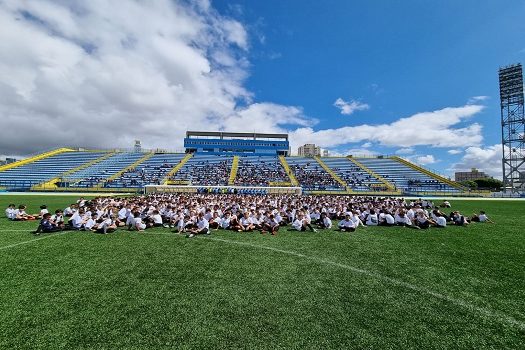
[(221, 134)]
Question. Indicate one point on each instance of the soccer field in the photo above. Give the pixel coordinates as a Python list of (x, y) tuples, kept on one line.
[(462, 287)]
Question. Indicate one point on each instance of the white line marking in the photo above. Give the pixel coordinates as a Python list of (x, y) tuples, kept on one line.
[(481, 310), (32, 240)]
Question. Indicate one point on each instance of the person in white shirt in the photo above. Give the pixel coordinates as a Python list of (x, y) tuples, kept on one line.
[(137, 222), (225, 221), (156, 219), (441, 221), (10, 212), (203, 226), (388, 219), (270, 224), (246, 223), (91, 222), (76, 220), (325, 222), (347, 224), (372, 219), (402, 219), (481, 217)]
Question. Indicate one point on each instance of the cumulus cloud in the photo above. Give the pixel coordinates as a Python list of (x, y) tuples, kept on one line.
[(477, 99), (487, 159), (408, 150), (349, 107), (437, 129), (454, 151), (101, 74), (425, 160)]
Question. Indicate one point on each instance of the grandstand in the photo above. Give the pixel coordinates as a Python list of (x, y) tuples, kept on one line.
[(240, 160)]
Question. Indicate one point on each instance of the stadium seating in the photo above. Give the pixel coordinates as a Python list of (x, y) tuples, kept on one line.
[(404, 177), (204, 170), (311, 175), (23, 177), (134, 170), (95, 174), (150, 172), (260, 171), (355, 178)]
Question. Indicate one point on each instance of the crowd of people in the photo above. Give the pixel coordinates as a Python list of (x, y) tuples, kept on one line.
[(205, 173), (312, 176), (195, 214), (260, 172)]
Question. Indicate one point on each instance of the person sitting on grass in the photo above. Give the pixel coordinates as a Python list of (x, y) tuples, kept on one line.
[(422, 221), (481, 217), (246, 224), (458, 219), (270, 225), (300, 224), (441, 221), (137, 222), (402, 219), (386, 219), (21, 215), (203, 226), (325, 222), (10, 212), (47, 225), (347, 224), (105, 225)]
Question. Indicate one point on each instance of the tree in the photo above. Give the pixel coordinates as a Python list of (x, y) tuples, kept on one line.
[(489, 184), (469, 184)]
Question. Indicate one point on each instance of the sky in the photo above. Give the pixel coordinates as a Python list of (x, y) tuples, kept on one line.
[(414, 78)]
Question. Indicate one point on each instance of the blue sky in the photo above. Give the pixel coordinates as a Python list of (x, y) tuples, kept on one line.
[(399, 57), (413, 78)]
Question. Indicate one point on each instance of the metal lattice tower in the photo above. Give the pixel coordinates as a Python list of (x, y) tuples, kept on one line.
[(512, 128)]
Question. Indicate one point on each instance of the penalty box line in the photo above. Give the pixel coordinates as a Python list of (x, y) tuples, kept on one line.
[(458, 302)]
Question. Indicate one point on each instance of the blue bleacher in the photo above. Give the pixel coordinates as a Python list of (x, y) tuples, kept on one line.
[(404, 177), (23, 177), (311, 176), (205, 170), (356, 178), (150, 172)]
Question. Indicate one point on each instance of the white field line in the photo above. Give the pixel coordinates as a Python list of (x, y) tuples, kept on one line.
[(31, 240), (458, 302)]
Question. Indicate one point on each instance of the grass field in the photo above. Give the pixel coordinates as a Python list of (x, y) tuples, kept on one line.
[(376, 288)]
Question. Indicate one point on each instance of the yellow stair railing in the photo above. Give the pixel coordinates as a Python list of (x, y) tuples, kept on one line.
[(35, 158), (388, 184), (429, 173), (331, 172), (286, 167), (176, 168), (88, 164), (128, 168), (233, 171)]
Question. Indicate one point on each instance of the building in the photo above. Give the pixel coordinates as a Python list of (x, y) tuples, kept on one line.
[(473, 174), (309, 150), (325, 153), (236, 143)]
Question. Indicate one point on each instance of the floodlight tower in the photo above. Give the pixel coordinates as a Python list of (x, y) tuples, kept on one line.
[(512, 128)]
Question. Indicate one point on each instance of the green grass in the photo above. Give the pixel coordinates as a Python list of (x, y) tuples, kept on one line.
[(453, 288)]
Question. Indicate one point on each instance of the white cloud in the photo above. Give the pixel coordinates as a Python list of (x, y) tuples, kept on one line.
[(428, 128), (408, 150), (454, 151), (487, 159), (101, 74), (367, 145), (477, 99), (349, 107), (425, 160)]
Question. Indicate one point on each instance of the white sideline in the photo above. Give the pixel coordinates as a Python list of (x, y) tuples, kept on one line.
[(458, 302), (29, 241), (481, 310)]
